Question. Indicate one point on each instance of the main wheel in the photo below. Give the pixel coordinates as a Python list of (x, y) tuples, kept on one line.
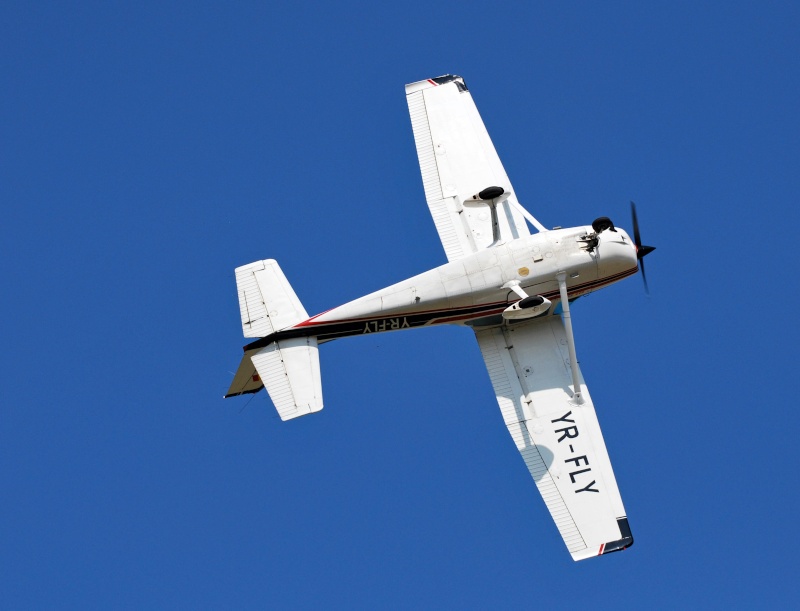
[(601, 224)]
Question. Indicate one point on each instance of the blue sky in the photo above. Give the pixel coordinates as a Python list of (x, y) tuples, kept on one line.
[(147, 151)]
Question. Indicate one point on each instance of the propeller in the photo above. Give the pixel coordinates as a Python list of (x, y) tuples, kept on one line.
[(641, 251)]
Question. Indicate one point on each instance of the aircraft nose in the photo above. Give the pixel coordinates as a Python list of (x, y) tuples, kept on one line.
[(616, 252)]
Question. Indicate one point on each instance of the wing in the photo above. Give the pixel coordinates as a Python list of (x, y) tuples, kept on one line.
[(457, 160), (560, 442)]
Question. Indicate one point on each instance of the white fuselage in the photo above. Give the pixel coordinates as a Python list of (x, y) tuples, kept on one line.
[(472, 288)]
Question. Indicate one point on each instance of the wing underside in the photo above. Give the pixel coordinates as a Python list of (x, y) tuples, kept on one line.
[(458, 160), (559, 441)]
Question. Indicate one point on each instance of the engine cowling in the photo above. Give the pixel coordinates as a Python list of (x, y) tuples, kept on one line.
[(529, 307)]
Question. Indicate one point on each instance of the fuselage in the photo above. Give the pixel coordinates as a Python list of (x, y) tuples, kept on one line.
[(471, 290)]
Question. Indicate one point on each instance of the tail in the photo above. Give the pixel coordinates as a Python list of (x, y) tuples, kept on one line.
[(288, 368)]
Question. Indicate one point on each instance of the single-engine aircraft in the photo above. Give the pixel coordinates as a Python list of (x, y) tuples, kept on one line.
[(511, 287)]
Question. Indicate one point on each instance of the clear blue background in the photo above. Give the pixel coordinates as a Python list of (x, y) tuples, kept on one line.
[(147, 151)]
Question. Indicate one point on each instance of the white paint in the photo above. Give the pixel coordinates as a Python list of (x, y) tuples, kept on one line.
[(531, 363)]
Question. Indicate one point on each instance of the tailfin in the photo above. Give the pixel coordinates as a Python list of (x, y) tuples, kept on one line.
[(246, 379), (288, 368)]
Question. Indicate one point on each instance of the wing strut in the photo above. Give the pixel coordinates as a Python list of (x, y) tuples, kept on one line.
[(573, 358), (527, 215)]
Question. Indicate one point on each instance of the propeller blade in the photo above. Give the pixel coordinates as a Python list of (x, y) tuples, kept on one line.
[(636, 237), (644, 277), (641, 250)]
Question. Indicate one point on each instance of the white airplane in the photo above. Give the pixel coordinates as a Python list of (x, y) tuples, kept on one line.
[(510, 287)]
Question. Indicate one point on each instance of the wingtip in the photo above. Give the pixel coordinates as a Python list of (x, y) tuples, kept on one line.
[(623, 543), (436, 82)]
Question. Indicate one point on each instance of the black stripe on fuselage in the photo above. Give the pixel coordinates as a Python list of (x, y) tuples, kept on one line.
[(363, 326)]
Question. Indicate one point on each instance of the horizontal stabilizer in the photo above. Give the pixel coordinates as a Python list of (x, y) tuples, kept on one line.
[(246, 380), (267, 302), (290, 371)]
